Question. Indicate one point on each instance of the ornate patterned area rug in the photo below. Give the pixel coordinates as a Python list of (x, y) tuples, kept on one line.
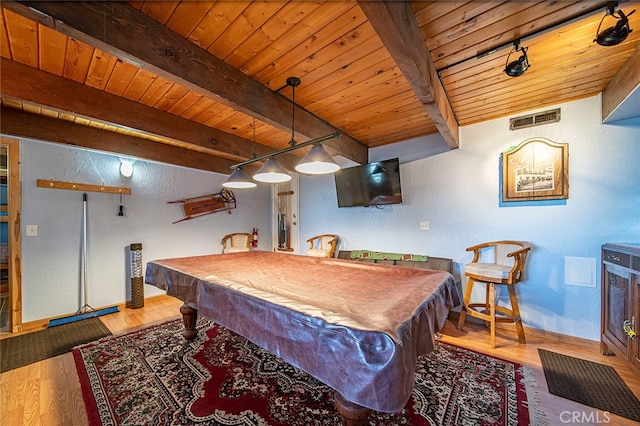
[(154, 377)]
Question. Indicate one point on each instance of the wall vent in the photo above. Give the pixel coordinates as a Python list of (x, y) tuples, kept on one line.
[(551, 116)]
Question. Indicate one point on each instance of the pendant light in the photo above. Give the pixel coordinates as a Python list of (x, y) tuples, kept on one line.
[(272, 172), (239, 179), (317, 162)]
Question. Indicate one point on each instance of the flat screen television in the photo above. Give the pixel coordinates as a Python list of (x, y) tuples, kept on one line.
[(372, 184)]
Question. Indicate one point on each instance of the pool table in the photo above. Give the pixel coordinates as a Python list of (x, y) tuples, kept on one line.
[(357, 327)]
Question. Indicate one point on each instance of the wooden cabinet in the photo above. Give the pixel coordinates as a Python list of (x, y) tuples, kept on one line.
[(621, 302)]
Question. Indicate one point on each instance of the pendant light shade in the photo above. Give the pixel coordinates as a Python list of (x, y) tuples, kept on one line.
[(272, 172), (317, 162), (239, 180)]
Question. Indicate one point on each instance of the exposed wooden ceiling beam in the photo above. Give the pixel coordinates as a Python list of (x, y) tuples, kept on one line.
[(22, 124), (626, 81), (125, 32), (396, 25), (44, 89)]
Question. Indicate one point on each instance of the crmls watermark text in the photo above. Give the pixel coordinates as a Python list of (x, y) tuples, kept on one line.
[(588, 417)]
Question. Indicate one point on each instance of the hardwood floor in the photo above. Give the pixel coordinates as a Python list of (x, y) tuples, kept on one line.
[(48, 392)]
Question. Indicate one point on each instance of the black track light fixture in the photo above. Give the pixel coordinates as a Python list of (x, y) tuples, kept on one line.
[(618, 33), (519, 66)]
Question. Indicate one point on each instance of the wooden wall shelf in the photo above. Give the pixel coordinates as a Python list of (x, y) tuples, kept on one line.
[(74, 186)]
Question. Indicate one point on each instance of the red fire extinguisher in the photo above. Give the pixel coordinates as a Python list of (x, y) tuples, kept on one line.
[(254, 239)]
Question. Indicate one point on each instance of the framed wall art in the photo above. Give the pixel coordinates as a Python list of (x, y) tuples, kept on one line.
[(537, 169)]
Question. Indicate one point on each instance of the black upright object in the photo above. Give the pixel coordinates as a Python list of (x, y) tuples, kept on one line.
[(282, 231), (137, 282)]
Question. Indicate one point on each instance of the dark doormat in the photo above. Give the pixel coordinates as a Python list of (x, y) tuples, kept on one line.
[(32, 347), (589, 383)]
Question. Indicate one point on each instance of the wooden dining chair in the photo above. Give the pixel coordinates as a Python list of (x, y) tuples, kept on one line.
[(507, 268), (322, 245), (236, 242)]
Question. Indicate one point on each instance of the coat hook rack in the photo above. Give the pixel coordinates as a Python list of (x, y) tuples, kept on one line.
[(74, 186)]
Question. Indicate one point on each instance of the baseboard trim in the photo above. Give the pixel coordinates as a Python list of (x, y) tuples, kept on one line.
[(41, 324), (528, 331)]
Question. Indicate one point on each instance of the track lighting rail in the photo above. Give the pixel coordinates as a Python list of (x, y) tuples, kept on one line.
[(510, 43)]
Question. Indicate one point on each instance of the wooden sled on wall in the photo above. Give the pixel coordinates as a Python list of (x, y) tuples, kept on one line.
[(207, 204)]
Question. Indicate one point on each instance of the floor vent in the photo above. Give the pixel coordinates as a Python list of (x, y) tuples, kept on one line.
[(551, 116)]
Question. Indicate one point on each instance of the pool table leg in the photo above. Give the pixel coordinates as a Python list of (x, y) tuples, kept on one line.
[(352, 414), (189, 319)]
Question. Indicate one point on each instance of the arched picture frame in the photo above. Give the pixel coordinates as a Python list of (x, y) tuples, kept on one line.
[(537, 169)]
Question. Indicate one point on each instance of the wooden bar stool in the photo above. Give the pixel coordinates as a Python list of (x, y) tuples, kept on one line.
[(236, 242), (322, 245), (507, 269)]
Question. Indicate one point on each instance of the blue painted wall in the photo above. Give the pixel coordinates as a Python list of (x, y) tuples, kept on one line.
[(458, 193)]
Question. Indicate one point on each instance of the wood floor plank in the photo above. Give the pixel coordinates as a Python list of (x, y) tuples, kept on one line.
[(12, 418), (31, 398), (48, 392)]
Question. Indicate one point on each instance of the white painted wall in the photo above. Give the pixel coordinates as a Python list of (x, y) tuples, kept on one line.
[(51, 261), (457, 192)]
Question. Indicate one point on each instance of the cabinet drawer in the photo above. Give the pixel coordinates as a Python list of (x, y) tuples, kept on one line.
[(635, 263), (621, 259)]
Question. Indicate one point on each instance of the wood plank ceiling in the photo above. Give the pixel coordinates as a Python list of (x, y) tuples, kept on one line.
[(183, 82)]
